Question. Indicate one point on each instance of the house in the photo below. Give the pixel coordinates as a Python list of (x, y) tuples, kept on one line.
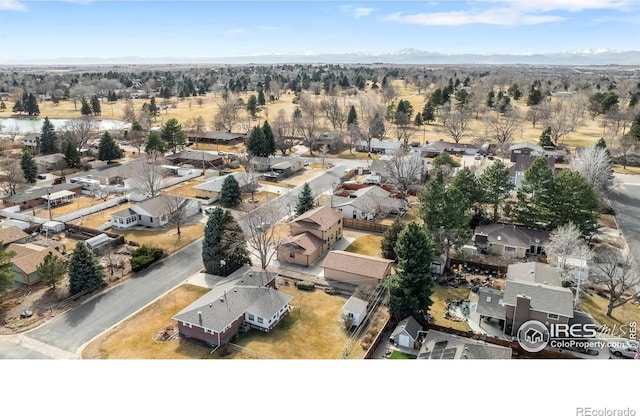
[(262, 164), (433, 149), (27, 259), (226, 138), (116, 175), (386, 147), (284, 168), (354, 268), (533, 150), (490, 305), (354, 311), (322, 226), (210, 190), (509, 240), (281, 165), (50, 162), (12, 234), (38, 196), (155, 212), (31, 141), (534, 272), (369, 203), (439, 345), (332, 139), (247, 298), (196, 158), (406, 333), (520, 166)]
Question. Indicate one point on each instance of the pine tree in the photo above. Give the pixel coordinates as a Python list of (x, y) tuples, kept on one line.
[(412, 286), (269, 139), (154, 110), (108, 149), (173, 136), (85, 108), (545, 138), (52, 270), (305, 200), (48, 138), (3, 106), (85, 272), (428, 113), (29, 167), (154, 143), (18, 106), (352, 118), (574, 200), (257, 143), (496, 184), (389, 240), (261, 100), (95, 105), (6, 270), (31, 105), (230, 195), (224, 247), (533, 206), (71, 154), (252, 105)]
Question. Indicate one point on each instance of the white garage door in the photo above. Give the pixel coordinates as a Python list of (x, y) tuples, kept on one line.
[(404, 341)]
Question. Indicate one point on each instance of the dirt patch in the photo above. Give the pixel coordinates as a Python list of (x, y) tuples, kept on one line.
[(608, 221), (166, 334)]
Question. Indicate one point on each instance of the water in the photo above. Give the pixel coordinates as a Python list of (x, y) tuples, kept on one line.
[(34, 125)]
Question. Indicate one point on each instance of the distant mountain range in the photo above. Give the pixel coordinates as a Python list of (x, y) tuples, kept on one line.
[(405, 56)]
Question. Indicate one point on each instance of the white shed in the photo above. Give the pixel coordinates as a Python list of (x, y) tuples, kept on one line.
[(53, 227), (98, 241), (355, 310)]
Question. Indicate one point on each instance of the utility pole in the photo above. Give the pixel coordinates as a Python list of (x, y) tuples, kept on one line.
[(49, 201)]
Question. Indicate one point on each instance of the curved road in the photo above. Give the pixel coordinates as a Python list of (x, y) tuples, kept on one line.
[(70, 331)]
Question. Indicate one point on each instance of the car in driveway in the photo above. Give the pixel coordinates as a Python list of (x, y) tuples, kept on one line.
[(627, 349), (209, 210), (41, 176)]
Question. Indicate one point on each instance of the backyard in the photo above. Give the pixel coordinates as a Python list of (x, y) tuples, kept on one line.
[(440, 296)]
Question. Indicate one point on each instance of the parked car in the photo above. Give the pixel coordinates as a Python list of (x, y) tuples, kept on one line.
[(490, 156), (627, 349), (306, 163), (478, 156), (41, 176), (209, 210)]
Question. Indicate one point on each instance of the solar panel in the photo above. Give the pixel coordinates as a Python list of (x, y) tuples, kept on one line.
[(438, 350)]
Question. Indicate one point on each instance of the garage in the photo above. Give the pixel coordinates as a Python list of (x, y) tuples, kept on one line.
[(406, 333), (404, 341)]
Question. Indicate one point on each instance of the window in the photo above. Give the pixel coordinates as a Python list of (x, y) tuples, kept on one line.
[(188, 325), (292, 254), (350, 314), (340, 221), (260, 320), (139, 217), (151, 219), (509, 249), (251, 317), (553, 316)]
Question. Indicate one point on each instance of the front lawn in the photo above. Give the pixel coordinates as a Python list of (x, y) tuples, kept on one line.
[(596, 306)]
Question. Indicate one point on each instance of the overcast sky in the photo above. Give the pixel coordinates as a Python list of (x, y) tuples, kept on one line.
[(182, 29)]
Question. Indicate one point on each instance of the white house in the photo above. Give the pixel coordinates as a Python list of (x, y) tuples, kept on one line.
[(154, 212), (354, 310), (368, 204)]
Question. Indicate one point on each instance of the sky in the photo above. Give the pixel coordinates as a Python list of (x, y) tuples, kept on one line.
[(150, 29)]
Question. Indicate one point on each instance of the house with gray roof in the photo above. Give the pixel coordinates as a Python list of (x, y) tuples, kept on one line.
[(210, 190), (439, 345), (368, 203), (155, 212), (534, 272), (246, 299), (386, 147), (406, 333), (509, 240), (226, 138)]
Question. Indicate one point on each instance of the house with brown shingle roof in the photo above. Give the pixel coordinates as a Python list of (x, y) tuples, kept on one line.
[(12, 234), (354, 268), (312, 233), (27, 259)]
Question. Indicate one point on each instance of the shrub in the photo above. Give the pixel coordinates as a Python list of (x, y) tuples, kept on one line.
[(330, 291), (305, 286), (144, 256)]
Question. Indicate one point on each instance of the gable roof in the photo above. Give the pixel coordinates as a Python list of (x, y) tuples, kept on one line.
[(440, 345), (306, 243), (490, 303), (195, 155), (11, 234), (40, 192), (124, 213), (29, 256), (512, 235), (531, 146), (321, 218), (215, 185), (534, 272), (158, 205), (355, 263), (408, 325), (544, 298), (356, 305)]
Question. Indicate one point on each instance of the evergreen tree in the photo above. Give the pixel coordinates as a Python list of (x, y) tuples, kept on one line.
[(305, 200), (444, 159), (574, 200), (71, 154), (352, 118), (428, 113), (418, 120), (412, 286), (269, 139), (534, 97), (85, 272), (3, 106), (48, 138), (31, 105), (545, 138), (153, 108), (224, 247), (258, 145), (252, 105), (173, 136), (495, 181), (230, 195), (261, 100), (602, 144), (18, 106), (29, 167), (467, 183), (389, 240), (85, 108), (95, 105), (108, 149), (6, 270), (52, 270), (533, 206), (154, 142)]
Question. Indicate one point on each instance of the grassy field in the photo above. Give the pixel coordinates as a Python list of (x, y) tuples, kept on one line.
[(399, 355), (439, 297), (596, 306), (167, 239), (367, 244)]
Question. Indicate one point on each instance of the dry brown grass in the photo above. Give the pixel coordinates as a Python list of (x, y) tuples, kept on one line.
[(439, 307), (367, 244), (596, 306), (166, 239), (99, 218), (134, 338), (78, 203)]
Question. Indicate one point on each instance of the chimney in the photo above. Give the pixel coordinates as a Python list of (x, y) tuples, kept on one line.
[(200, 318)]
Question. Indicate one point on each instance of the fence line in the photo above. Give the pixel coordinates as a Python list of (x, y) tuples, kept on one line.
[(365, 225)]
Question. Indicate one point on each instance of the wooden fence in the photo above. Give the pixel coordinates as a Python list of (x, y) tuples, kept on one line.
[(365, 225)]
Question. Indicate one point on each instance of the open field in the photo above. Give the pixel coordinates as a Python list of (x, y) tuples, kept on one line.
[(596, 306), (439, 307)]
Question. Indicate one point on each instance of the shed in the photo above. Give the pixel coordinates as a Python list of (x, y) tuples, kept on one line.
[(98, 241), (53, 227), (406, 333), (355, 310)]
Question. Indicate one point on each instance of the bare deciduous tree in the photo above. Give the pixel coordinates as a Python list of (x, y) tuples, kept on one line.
[(12, 178), (227, 114), (619, 274), (404, 171), (538, 112), (262, 236), (625, 144), (129, 112), (283, 132), (148, 173), (80, 130), (594, 163), (560, 125), (176, 208), (455, 123), (565, 242), (504, 126), (335, 112), (310, 122)]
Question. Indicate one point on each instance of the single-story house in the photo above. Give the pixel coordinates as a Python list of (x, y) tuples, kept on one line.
[(50, 162), (197, 158), (533, 150), (323, 223), (354, 268), (116, 175), (406, 333), (12, 234), (210, 190), (283, 166), (509, 240), (354, 311), (226, 138), (155, 212), (368, 203), (38, 196), (59, 197), (332, 139), (443, 346), (27, 259), (433, 149), (386, 147), (245, 299)]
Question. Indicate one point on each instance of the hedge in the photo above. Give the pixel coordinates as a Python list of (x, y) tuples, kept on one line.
[(305, 285), (144, 256)]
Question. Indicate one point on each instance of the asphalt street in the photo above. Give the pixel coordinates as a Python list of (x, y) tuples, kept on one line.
[(74, 328)]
